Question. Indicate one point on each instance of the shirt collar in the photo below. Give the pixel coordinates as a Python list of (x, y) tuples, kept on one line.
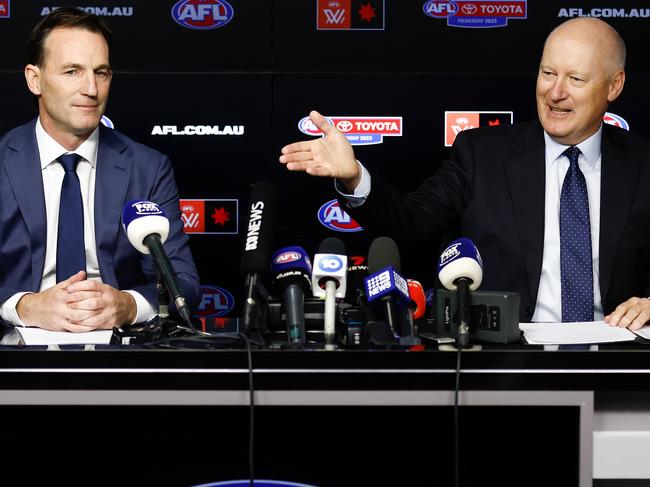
[(590, 148), (50, 150)]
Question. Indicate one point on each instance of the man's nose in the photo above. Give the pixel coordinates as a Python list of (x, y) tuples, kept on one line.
[(558, 90), (89, 86)]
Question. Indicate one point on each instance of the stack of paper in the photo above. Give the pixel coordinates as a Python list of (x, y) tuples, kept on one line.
[(577, 333)]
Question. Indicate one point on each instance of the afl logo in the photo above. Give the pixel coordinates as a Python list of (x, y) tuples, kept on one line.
[(215, 301), (330, 263), (202, 14), (440, 8), (306, 126), (286, 257), (616, 121), (333, 217)]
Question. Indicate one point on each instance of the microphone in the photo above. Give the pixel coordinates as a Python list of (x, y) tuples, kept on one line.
[(460, 267), (385, 282), (291, 270), (329, 281), (147, 227), (257, 247), (357, 271), (418, 303)]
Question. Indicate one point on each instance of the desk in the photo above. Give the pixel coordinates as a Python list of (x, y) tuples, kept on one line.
[(386, 402)]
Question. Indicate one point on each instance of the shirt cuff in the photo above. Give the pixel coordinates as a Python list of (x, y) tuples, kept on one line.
[(8, 310), (361, 192), (144, 310)]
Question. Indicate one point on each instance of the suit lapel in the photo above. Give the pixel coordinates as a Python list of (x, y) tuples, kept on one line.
[(24, 174), (619, 174), (114, 168), (524, 172)]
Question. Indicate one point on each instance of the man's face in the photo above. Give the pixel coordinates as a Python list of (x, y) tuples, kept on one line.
[(575, 84), (72, 84)]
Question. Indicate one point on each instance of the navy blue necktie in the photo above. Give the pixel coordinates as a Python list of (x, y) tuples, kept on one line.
[(575, 244), (70, 248)]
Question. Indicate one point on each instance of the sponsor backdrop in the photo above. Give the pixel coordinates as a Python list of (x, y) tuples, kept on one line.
[(220, 86)]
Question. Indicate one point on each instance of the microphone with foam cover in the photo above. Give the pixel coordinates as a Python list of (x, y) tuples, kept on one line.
[(384, 281), (460, 267), (418, 299), (147, 227), (257, 247), (291, 270)]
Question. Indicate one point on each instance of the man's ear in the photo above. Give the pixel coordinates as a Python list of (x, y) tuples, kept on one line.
[(616, 85), (33, 78)]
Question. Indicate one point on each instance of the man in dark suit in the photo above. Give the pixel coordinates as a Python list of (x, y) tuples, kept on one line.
[(559, 208), (111, 284)]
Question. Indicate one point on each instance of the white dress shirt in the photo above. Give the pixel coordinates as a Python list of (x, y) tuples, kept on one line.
[(52, 171), (549, 294)]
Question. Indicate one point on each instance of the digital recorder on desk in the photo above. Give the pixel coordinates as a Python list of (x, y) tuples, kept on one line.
[(494, 316)]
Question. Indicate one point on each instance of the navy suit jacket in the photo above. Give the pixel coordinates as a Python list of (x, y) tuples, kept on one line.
[(126, 171), (492, 191)]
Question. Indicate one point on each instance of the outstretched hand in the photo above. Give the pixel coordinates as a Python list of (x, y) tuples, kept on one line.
[(330, 156)]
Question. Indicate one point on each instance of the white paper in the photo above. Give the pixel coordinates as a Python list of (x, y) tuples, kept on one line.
[(574, 333), (38, 336), (644, 332)]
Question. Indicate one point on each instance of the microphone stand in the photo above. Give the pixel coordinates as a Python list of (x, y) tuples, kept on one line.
[(462, 300), (255, 315), (409, 333), (158, 328)]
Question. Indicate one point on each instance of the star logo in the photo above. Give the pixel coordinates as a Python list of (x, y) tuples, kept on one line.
[(367, 12), (220, 216)]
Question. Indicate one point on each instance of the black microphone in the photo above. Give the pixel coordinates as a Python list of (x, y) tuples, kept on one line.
[(383, 254), (257, 248), (147, 227), (291, 269), (460, 267)]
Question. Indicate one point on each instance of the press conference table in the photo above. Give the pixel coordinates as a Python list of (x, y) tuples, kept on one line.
[(526, 414)]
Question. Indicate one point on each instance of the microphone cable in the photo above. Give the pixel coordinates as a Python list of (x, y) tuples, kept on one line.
[(251, 411), (457, 421), (203, 338)]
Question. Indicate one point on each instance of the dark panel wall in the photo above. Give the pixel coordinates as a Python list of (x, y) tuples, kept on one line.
[(261, 72)]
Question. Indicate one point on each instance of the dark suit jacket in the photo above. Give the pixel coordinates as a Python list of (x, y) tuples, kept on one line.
[(493, 190), (126, 170)]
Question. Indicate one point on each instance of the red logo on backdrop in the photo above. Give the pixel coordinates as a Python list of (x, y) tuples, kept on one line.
[(456, 122), (358, 130), (350, 14), (333, 14), (4, 9), (210, 216)]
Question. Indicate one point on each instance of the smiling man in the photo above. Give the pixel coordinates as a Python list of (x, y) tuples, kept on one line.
[(65, 263), (558, 207)]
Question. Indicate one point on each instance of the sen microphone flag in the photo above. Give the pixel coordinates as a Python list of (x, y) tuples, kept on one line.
[(460, 259), (386, 282), (141, 218)]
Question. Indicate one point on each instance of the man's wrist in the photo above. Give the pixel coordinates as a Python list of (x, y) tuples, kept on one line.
[(23, 307), (130, 308)]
